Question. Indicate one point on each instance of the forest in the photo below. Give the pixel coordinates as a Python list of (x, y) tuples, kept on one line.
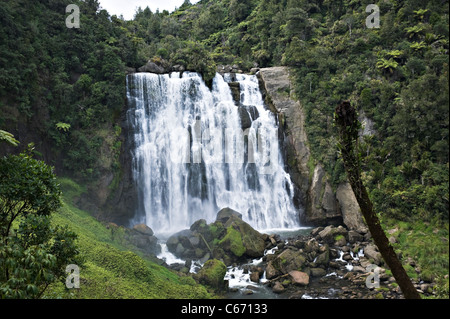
[(64, 90)]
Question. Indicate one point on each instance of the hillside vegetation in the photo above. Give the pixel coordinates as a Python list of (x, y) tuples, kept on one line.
[(112, 266)]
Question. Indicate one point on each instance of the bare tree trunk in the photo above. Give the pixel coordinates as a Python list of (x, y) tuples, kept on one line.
[(348, 128)]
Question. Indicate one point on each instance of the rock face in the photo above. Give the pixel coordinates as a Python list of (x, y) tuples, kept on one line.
[(313, 191), (322, 204), (152, 67), (351, 213)]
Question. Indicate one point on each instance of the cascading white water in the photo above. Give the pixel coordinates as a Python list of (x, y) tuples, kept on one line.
[(192, 157)]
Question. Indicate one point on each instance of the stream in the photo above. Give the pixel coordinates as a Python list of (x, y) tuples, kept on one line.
[(238, 276)]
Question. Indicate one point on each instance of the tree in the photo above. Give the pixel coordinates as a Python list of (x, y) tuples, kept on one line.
[(348, 127), (240, 9), (33, 252), (8, 138)]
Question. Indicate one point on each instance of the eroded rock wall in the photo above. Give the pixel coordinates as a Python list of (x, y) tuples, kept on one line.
[(321, 204)]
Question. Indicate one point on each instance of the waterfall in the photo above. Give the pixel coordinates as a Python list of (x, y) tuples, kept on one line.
[(192, 156)]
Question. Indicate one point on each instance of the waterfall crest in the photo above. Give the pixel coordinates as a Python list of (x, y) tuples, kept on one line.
[(192, 155)]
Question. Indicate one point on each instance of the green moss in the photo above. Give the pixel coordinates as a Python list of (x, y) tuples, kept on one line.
[(233, 242), (379, 296), (212, 273)]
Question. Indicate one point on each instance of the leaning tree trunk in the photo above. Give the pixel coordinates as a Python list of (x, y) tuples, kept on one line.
[(348, 127)]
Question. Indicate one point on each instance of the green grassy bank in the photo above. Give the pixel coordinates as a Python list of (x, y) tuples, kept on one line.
[(112, 268)]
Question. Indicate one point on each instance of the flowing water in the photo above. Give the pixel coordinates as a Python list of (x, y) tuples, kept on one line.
[(191, 156)]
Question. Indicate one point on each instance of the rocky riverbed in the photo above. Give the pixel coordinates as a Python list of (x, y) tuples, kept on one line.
[(326, 262)]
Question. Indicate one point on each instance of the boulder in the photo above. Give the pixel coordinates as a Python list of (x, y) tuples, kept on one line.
[(143, 229), (354, 237), (181, 244), (271, 271), (252, 240), (152, 67), (178, 68), (224, 214), (340, 241), (315, 232), (231, 244), (330, 233), (212, 274), (199, 226), (289, 260), (318, 272), (172, 243), (323, 258), (371, 252), (299, 278), (142, 237), (311, 246), (277, 288), (254, 276)]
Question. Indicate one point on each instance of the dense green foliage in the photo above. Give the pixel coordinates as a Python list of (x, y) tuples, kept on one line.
[(33, 252), (51, 74), (396, 75)]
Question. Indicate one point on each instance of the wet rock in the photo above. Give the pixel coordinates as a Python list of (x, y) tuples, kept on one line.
[(371, 252), (299, 278), (354, 237), (246, 121), (224, 214), (254, 276), (252, 240), (289, 260), (317, 272), (212, 274), (315, 232), (143, 229), (278, 288), (329, 233), (199, 226), (271, 271)]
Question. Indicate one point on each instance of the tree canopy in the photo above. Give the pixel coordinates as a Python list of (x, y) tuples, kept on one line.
[(33, 252)]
